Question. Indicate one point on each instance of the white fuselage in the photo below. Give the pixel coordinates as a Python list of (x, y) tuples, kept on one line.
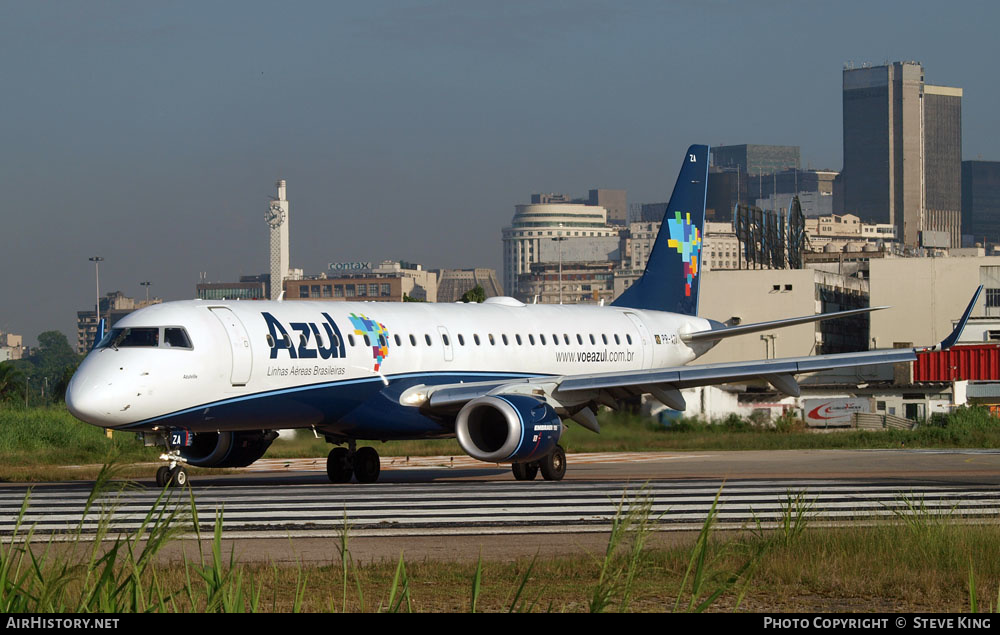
[(258, 352)]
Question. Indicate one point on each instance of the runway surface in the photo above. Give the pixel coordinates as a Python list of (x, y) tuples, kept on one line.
[(443, 496)]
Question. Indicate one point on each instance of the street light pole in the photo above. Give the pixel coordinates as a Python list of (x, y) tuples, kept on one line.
[(97, 275), (146, 284)]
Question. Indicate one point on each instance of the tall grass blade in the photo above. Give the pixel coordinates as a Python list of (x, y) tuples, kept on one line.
[(973, 602), (514, 606), (400, 578), (477, 580)]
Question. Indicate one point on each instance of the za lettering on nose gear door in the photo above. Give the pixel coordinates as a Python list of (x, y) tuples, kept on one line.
[(239, 342)]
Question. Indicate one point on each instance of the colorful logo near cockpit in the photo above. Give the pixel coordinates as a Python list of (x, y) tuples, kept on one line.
[(686, 239), (377, 336)]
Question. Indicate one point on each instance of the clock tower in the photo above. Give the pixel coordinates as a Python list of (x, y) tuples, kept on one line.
[(277, 222)]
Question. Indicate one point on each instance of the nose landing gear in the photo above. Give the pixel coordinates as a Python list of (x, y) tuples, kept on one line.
[(174, 474)]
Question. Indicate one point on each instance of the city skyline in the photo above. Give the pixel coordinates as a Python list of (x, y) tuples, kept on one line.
[(152, 135)]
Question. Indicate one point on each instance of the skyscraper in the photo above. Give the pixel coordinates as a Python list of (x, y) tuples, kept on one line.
[(902, 150), (981, 200)]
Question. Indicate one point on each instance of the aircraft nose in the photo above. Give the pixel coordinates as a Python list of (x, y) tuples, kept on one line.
[(87, 399)]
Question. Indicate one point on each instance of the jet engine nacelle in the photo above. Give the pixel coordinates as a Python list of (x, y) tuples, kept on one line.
[(507, 428), (227, 449)]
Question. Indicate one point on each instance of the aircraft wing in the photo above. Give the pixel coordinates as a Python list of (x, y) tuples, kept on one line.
[(574, 393)]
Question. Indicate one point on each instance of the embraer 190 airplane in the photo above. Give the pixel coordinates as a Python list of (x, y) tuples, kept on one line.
[(212, 382)]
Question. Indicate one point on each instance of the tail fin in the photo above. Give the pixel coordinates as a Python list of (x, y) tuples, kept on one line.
[(673, 271), (100, 333)]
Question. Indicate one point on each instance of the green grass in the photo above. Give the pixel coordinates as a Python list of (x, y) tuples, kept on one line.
[(51, 436)]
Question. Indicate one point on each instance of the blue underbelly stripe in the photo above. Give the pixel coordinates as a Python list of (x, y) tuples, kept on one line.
[(457, 376)]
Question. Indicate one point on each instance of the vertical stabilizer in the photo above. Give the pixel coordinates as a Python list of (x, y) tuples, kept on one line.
[(672, 276)]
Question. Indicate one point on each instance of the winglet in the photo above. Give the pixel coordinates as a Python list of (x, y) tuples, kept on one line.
[(949, 341)]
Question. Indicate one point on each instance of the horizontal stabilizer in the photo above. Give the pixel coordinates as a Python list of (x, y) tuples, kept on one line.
[(721, 331)]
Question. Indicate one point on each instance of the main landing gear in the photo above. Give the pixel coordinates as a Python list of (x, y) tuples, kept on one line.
[(363, 463), (552, 466)]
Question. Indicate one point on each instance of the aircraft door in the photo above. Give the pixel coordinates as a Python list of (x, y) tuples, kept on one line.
[(645, 339), (239, 342), (449, 352)]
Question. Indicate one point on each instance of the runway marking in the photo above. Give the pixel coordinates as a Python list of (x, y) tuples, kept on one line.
[(490, 506)]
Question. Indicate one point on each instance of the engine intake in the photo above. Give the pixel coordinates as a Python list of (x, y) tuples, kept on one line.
[(227, 449), (507, 428)]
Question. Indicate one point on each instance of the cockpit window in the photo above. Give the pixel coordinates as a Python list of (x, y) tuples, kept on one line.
[(175, 337), (146, 337), (132, 337)]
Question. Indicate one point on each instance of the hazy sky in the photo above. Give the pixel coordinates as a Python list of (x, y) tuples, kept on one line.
[(151, 133)]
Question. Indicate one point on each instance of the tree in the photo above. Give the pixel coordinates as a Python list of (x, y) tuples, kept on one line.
[(11, 382), (478, 294), (54, 360)]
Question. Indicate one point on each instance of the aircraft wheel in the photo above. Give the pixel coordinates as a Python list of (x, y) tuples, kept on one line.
[(177, 477), (367, 465), (524, 471), (554, 465), (338, 465), (162, 476)]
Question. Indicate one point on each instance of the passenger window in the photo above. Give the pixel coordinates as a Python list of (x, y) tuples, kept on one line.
[(427, 338), (444, 338), (493, 342), (566, 339), (604, 337), (350, 340), (518, 339), (531, 338), (398, 342), (579, 340), (413, 340), (476, 338), (628, 337), (368, 342), (592, 340), (461, 340), (270, 341), (177, 338), (504, 337), (617, 339), (542, 336)]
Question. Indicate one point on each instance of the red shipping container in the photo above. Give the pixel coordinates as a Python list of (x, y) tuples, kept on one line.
[(974, 361)]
